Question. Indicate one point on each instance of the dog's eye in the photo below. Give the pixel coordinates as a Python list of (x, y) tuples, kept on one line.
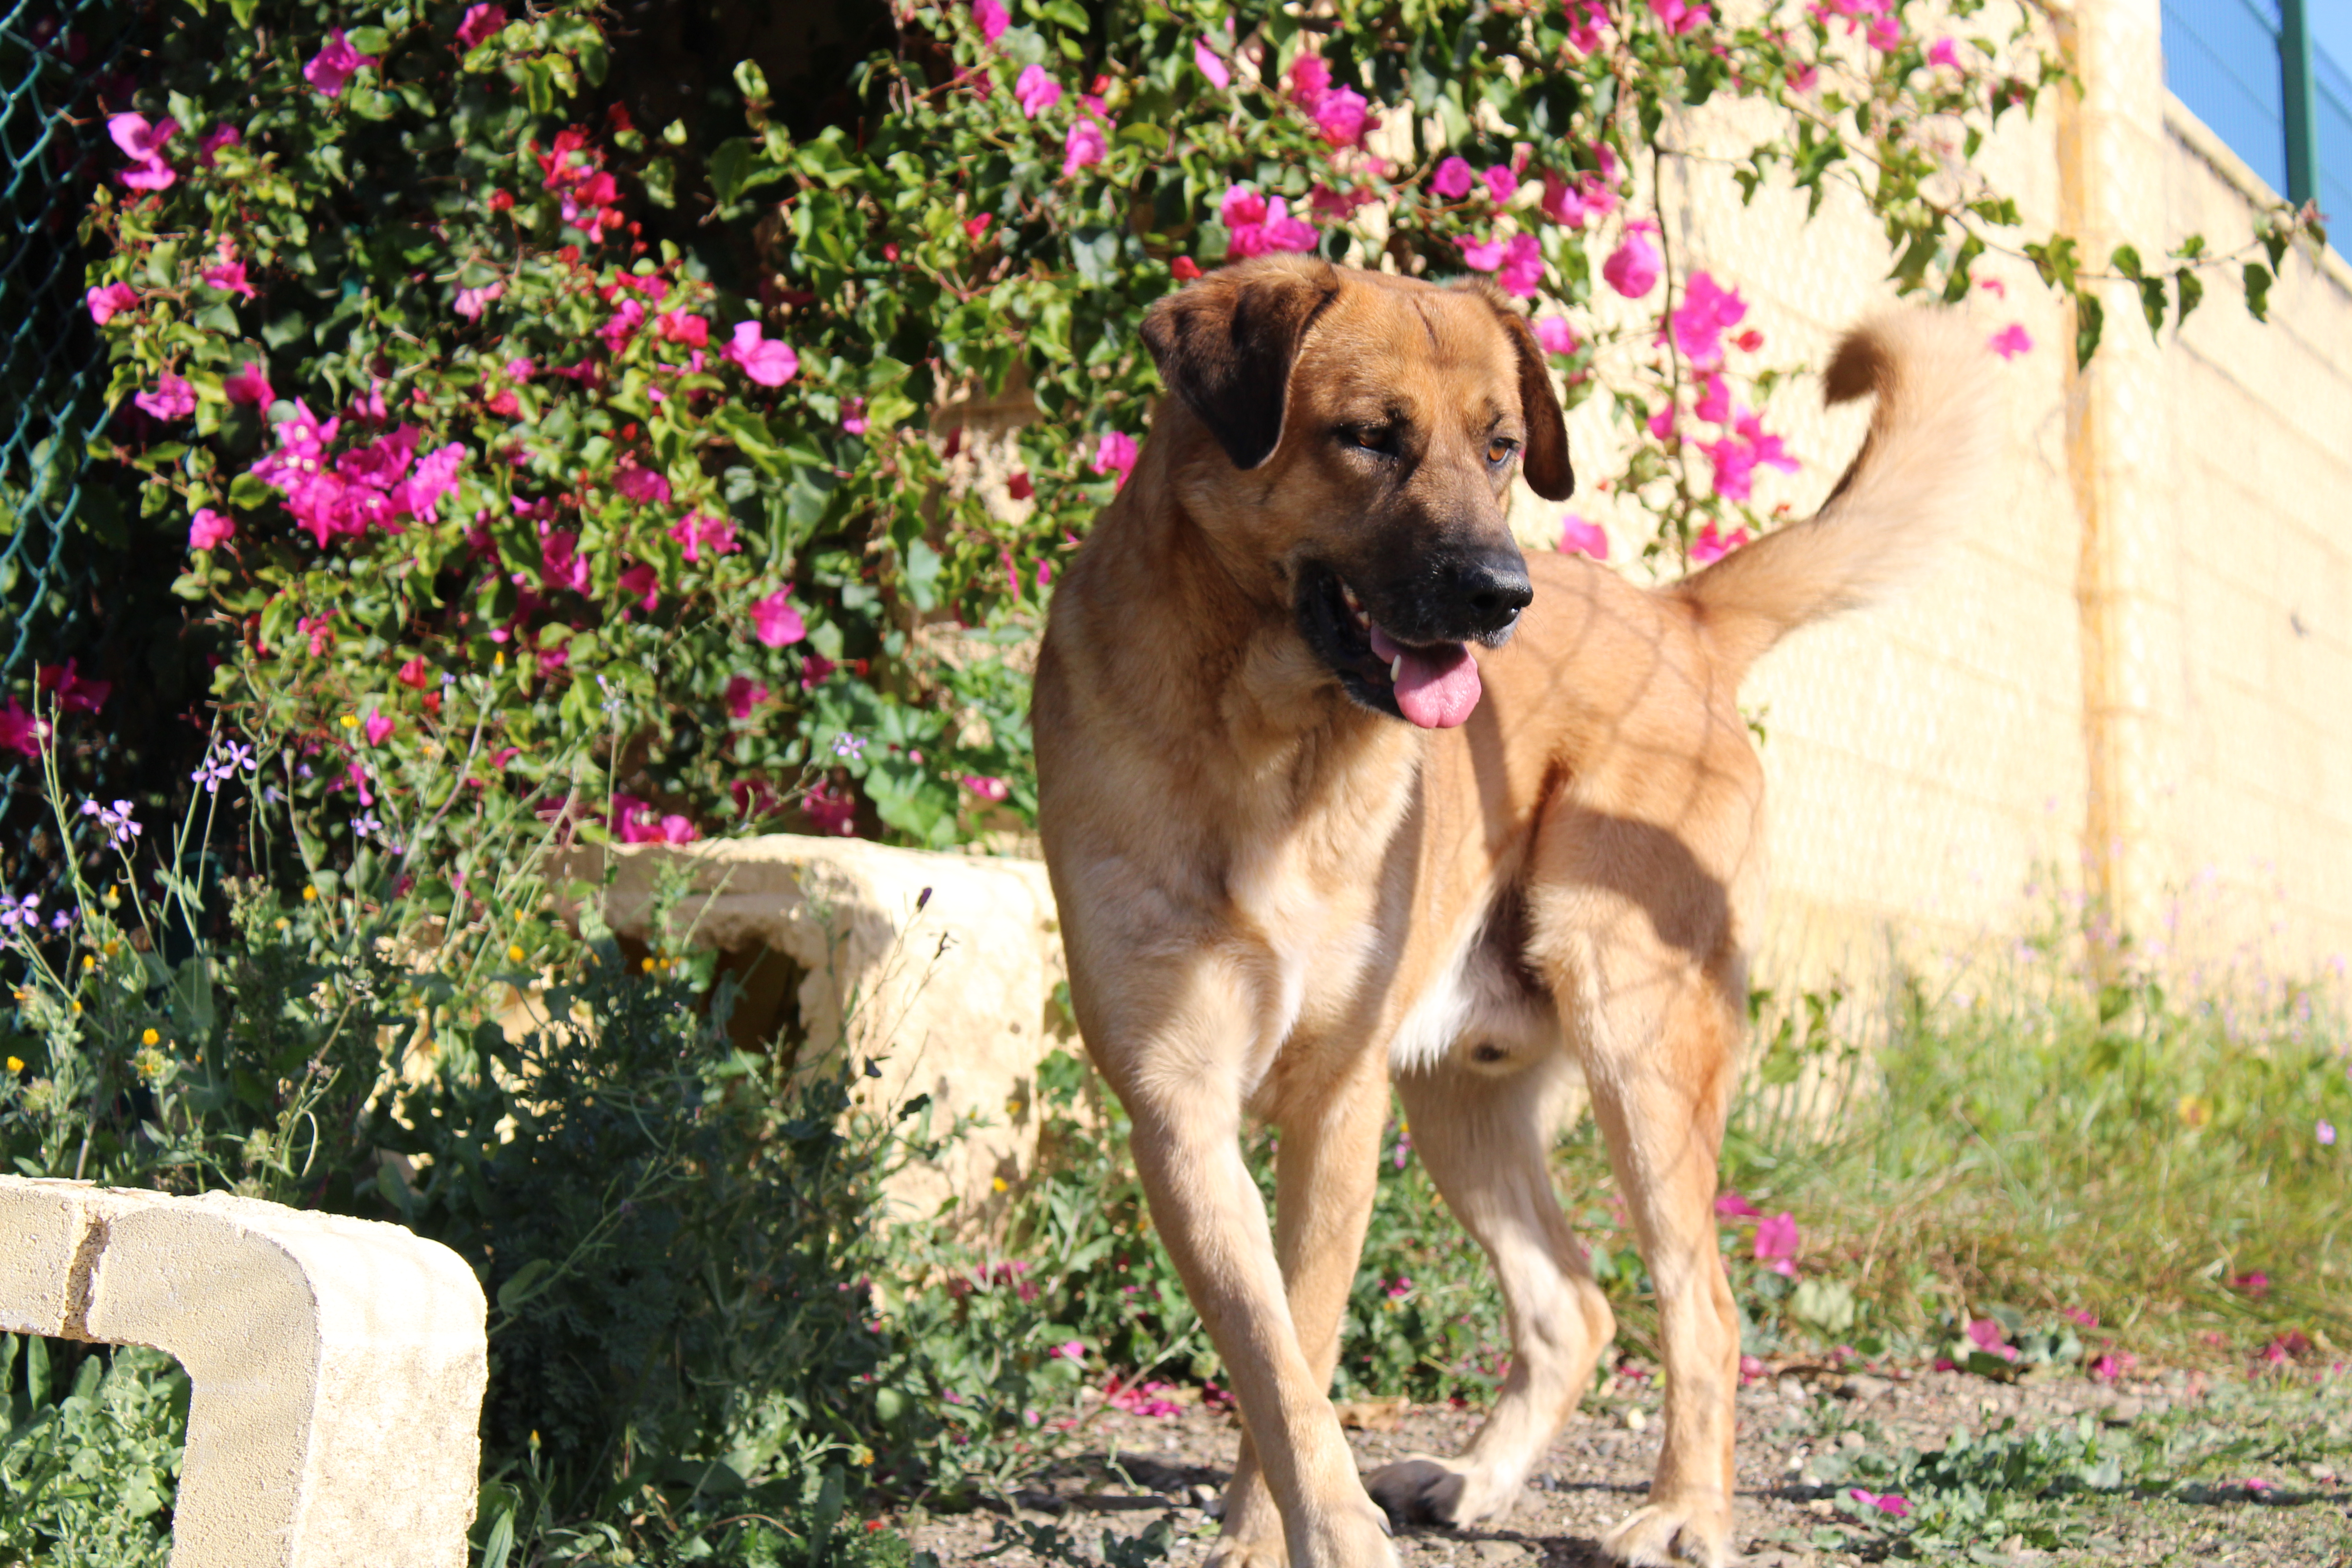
[(1371, 438), (1499, 449)]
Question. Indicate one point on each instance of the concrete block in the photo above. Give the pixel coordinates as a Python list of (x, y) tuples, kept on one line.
[(336, 1364)]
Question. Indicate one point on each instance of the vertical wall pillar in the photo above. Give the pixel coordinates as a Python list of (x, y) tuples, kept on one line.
[(2111, 163), (2294, 78)]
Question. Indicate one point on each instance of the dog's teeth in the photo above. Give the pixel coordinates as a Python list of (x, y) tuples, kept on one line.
[(1363, 620), (1396, 669)]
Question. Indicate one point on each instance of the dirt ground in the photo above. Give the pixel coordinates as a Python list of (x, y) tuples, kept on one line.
[(1121, 1472)]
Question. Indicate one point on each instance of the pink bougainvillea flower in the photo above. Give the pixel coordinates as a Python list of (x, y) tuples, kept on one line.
[(334, 65), (378, 729), (561, 565), (110, 301), (1884, 34), (250, 386), (640, 484), (208, 530), (173, 398), (227, 276), (141, 141), (2010, 342), (2080, 1317), (1713, 404), (1711, 546), (1884, 1503), (1729, 1204), (1986, 1335), (1502, 182), (638, 822), (1585, 33), (1709, 310), (696, 532), (743, 694), (2325, 1134), (1257, 226), (1555, 335), (1035, 90), (472, 303), (852, 417), (1485, 255), (776, 623), (1776, 1239), (831, 811), (987, 787), (1681, 15), (20, 732), (991, 18), (1115, 453), (2114, 1365), (1944, 52), (1579, 537), (1310, 79), (1085, 144), (1661, 424), (767, 361), (623, 325), (642, 583), (682, 327), (1210, 65), (479, 23), (1632, 269), (2253, 1283), (76, 693), (1522, 269), (1343, 116), (1994, 287), (213, 141), (1453, 178), (1184, 270)]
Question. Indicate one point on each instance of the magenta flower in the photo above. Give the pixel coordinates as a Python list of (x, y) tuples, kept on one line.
[(218, 137), (1310, 79), (682, 327), (640, 484), (142, 142), (20, 732), (1728, 1205), (1633, 270), (1485, 255), (623, 324), (1555, 335), (775, 622), (743, 694), (1714, 405), (561, 565), (1578, 537), (208, 530), (173, 398), (1522, 269), (334, 66), (1115, 453), (2010, 342), (987, 787), (1343, 116), (1709, 310), (227, 276), (1776, 1239), (478, 24), (1085, 144), (1584, 35), (694, 533), (991, 18), (833, 812), (1680, 15), (1944, 52), (642, 583), (1454, 179), (107, 302), (1884, 1503), (472, 303), (1035, 90), (2326, 1134), (1661, 424), (1259, 226), (1069, 1350), (378, 729), (767, 361), (1502, 182), (1210, 65), (1986, 1335)]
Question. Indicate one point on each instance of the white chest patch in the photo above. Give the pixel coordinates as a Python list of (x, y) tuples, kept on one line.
[(1444, 1012)]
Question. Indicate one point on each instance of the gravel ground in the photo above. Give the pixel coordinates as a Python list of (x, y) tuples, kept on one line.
[(1120, 1472)]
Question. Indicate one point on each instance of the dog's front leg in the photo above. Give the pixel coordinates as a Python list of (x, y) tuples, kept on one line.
[(1183, 1094)]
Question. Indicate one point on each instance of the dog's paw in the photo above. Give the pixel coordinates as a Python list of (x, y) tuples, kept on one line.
[(1422, 1489), (1232, 1551), (1671, 1535)]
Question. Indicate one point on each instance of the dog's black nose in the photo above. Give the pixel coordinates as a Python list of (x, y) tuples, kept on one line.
[(1491, 590)]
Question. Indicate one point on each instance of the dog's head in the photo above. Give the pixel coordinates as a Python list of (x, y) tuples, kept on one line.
[(1366, 430)]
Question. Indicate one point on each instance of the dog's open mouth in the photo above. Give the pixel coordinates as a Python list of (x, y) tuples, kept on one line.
[(1433, 685)]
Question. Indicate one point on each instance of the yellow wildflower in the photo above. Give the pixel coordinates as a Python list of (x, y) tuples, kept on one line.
[(15, 1063), (150, 1039), (350, 721), (309, 894), (514, 952)]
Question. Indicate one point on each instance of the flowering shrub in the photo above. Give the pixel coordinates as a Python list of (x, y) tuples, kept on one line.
[(456, 341)]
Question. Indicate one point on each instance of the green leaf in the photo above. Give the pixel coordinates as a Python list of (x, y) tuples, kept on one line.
[(1066, 13), (368, 40), (2189, 289), (527, 1282), (500, 1542), (753, 83), (2258, 290), (2090, 317), (247, 491), (2127, 262)]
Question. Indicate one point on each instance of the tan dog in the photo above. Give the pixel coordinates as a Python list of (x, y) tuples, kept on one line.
[(1273, 888)]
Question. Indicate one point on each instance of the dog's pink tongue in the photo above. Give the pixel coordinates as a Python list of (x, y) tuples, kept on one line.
[(1436, 688)]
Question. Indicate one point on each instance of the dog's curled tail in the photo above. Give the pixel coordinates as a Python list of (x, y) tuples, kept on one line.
[(1918, 479)]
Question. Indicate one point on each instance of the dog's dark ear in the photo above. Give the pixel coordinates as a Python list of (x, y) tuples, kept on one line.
[(1546, 466), (1226, 344)]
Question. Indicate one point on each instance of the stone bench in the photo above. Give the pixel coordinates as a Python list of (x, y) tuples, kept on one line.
[(336, 1364)]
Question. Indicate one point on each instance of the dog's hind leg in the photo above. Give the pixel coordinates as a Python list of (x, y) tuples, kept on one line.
[(1486, 1139)]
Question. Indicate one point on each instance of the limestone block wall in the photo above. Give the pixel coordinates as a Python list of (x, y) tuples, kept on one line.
[(337, 1365)]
